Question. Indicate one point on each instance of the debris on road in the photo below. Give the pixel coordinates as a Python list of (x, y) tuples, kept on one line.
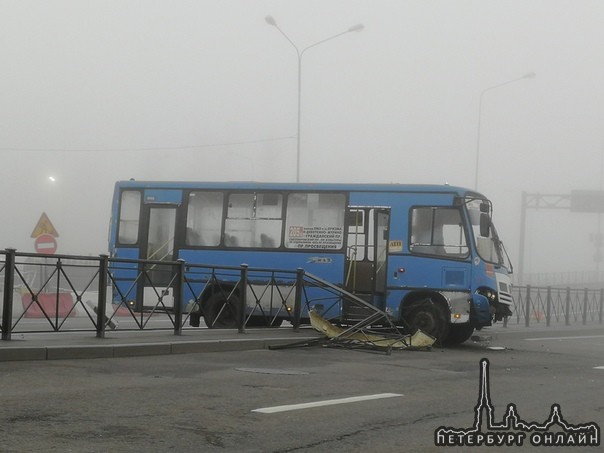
[(360, 335)]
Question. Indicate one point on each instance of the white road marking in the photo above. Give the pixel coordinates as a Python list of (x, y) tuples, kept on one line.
[(599, 368), (353, 399), (586, 337)]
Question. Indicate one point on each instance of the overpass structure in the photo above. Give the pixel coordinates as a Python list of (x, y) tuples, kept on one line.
[(585, 201)]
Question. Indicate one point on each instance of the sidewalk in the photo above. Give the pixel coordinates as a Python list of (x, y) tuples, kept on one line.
[(85, 345)]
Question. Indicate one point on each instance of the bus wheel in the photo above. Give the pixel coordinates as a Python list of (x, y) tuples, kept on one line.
[(458, 333), (220, 314), (261, 321), (430, 318)]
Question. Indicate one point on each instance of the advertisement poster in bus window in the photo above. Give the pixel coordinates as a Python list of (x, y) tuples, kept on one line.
[(316, 237)]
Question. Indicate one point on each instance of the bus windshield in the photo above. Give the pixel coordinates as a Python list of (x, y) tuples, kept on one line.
[(487, 242)]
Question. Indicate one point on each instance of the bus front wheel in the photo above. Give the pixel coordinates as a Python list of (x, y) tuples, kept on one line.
[(458, 333), (430, 318), (222, 313)]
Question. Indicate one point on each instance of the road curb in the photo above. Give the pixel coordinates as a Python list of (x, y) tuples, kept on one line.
[(66, 352)]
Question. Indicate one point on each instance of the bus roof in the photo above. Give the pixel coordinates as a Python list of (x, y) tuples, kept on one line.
[(250, 185)]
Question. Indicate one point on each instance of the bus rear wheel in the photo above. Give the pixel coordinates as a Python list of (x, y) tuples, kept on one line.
[(430, 318), (263, 321), (220, 313)]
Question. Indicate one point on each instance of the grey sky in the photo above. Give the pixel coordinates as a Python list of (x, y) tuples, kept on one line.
[(93, 92)]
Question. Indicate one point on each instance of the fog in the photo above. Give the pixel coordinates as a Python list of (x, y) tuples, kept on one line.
[(94, 92)]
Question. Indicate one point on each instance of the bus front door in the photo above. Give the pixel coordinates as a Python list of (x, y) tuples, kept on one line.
[(157, 246), (366, 257)]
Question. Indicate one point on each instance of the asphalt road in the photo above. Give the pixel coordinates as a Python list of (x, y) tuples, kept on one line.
[(232, 401)]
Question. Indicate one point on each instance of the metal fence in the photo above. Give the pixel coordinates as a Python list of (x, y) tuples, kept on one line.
[(53, 293), (535, 305)]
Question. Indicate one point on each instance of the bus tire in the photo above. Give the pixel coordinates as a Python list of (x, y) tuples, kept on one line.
[(219, 314), (430, 318), (458, 333), (261, 321)]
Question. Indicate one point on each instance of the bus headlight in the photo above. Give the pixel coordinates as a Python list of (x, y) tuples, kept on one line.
[(489, 294)]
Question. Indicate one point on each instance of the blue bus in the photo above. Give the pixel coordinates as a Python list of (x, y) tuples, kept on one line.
[(427, 255)]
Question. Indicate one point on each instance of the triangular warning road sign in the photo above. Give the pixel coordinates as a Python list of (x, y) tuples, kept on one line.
[(44, 226)]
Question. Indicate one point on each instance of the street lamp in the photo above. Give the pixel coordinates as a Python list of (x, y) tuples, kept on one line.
[(530, 75), (271, 21)]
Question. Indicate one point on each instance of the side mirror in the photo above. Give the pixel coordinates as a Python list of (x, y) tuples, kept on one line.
[(485, 225)]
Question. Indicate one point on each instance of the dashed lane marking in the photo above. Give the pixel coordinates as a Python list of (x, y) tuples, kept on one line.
[(354, 399), (585, 337)]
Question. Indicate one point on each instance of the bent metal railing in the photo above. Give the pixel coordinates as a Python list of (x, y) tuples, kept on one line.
[(53, 293)]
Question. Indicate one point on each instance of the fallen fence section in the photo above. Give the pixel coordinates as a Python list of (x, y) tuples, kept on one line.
[(362, 335)]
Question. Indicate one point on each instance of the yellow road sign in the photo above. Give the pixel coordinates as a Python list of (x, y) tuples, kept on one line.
[(44, 226)]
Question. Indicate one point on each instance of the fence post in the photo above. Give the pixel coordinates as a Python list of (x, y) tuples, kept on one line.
[(9, 281), (178, 295), (601, 305), (101, 306), (298, 298), (567, 310), (59, 266), (548, 307), (527, 308), (585, 303), (242, 299)]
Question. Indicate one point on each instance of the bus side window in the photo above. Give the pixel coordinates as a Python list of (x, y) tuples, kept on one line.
[(237, 233), (238, 227), (269, 222), (254, 220), (204, 219), (266, 241), (421, 230), (230, 240), (130, 206), (315, 221), (438, 231)]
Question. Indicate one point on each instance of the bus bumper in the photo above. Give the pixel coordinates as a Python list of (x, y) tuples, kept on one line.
[(480, 311)]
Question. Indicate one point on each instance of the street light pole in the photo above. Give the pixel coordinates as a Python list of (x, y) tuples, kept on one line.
[(300, 53), (530, 75)]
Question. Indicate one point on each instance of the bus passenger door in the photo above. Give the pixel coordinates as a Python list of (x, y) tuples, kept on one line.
[(382, 222), (367, 253), (157, 245)]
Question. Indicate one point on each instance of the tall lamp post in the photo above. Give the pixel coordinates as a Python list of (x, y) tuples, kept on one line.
[(300, 52), (530, 75)]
